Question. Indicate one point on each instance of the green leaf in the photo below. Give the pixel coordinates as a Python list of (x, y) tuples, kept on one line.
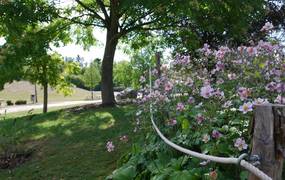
[(124, 173), (185, 124)]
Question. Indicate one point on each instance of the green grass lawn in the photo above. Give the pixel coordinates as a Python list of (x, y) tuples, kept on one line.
[(69, 145), (22, 90)]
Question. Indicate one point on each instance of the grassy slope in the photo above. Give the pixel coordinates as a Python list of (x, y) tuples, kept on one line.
[(23, 89), (70, 145)]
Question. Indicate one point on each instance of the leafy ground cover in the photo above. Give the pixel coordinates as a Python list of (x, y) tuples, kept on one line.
[(69, 145)]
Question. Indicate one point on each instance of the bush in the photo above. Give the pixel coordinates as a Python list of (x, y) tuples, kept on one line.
[(205, 104), (9, 103), (21, 102)]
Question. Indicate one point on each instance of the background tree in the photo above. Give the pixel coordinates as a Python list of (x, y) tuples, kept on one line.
[(29, 28), (91, 76), (123, 74)]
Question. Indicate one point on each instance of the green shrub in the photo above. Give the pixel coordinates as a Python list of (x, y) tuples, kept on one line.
[(9, 103), (21, 102)]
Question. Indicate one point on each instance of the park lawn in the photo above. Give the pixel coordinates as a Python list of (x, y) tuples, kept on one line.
[(22, 90), (70, 145)]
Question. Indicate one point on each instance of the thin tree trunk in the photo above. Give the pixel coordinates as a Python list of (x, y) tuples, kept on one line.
[(107, 91), (45, 106), (36, 94)]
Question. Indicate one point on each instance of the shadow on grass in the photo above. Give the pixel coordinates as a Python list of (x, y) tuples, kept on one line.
[(70, 145)]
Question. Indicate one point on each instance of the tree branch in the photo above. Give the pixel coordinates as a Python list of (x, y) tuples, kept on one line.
[(103, 8), (74, 20), (96, 15)]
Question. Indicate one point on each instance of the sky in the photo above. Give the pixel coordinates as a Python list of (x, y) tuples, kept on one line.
[(72, 50)]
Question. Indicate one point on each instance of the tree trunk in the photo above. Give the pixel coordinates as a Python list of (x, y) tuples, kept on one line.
[(36, 94), (107, 90), (45, 106)]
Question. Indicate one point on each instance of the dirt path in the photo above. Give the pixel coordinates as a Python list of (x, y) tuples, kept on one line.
[(20, 108)]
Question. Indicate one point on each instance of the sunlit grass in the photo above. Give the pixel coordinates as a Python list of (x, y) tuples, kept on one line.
[(70, 145)]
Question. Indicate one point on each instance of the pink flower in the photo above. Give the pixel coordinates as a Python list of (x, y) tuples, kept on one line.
[(220, 81), (206, 50), (180, 107), (232, 76), (280, 100), (216, 134), (124, 138), (244, 93), (246, 107), (206, 138), (220, 66), (171, 122), (206, 91), (200, 118), (189, 82), (182, 60), (110, 147), (240, 144), (280, 87), (220, 94), (260, 101), (221, 52), (191, 100), (168, 86), (251, 51), (271, 86), (157, 83), (213, 175), (154, 72), (142, 79), (267, 26), (227, 104)]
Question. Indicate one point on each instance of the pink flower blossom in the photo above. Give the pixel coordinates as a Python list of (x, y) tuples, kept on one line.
[(157, 83), (280, 100), (213, 175), (271, 86), (124, 138), (251, 51), (227, 104), (220, 94), (246, 107), (220, 66), (110, 147), (221, 52), (189, 82), (260, 101), (267, 26), (206, 91), (154, 72), (244, 93), (172, 122), (240, 144), (180, 107), (220, 81), (142, 79), (191, 100), (280, 87), (232, 76), (216, 134), (168, 86), (206, 138), (200, 118)]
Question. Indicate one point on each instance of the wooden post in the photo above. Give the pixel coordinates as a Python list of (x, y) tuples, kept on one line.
[(268, 140)]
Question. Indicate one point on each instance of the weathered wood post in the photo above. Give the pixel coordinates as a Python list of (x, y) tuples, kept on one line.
[(268, 140)]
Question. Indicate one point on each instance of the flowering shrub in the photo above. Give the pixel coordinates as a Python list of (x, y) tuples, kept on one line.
[(205, 103)]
